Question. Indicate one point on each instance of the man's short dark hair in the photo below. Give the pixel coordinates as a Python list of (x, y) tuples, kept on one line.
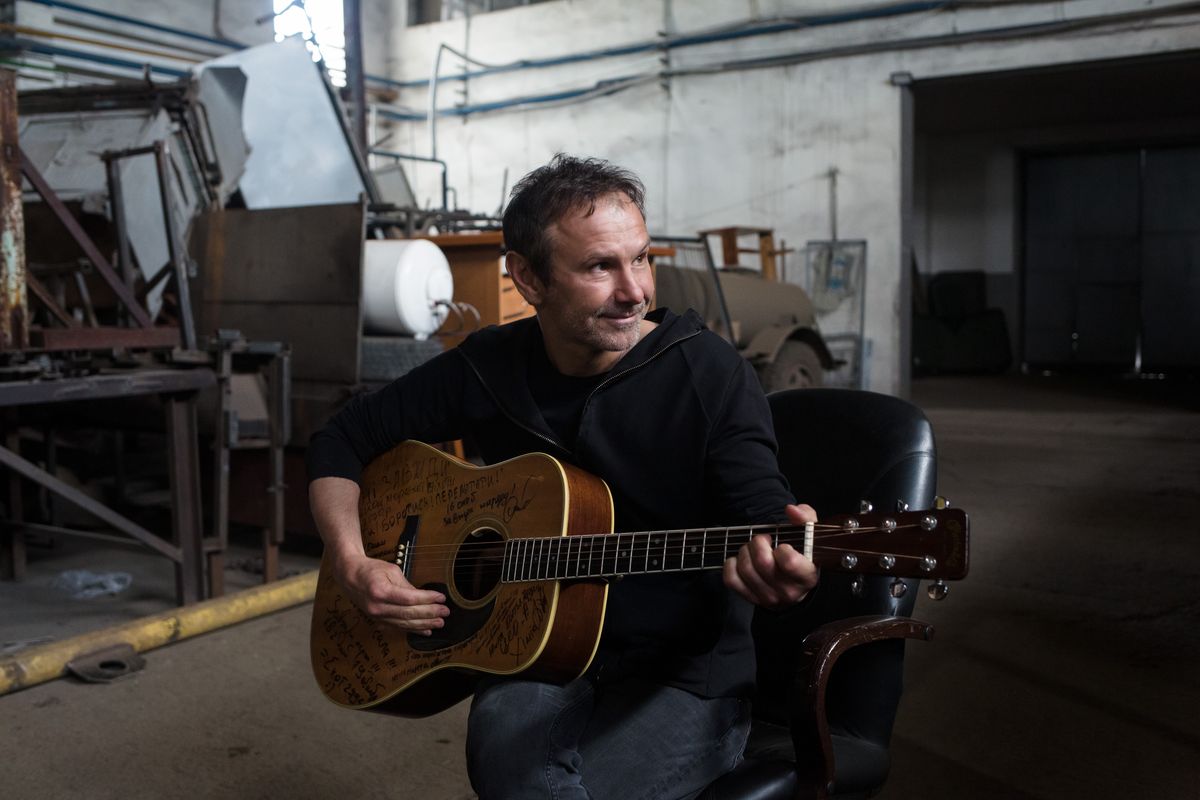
[(549, 193)]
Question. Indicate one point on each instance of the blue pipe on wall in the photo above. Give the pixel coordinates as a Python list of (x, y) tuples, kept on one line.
[(600, 88), (138, 22), (171, 30), (816, 20), (51, 50)]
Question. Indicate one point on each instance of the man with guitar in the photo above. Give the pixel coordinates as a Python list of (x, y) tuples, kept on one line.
[(674, 421)]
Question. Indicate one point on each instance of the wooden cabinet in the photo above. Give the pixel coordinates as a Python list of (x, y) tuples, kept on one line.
[(477, 264)]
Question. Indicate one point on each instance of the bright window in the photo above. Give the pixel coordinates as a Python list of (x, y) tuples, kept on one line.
[(320, 24)]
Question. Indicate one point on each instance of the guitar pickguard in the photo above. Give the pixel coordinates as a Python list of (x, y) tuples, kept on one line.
[(462, 624)]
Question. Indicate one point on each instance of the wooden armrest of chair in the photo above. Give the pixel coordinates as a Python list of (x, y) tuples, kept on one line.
[(819, 653)]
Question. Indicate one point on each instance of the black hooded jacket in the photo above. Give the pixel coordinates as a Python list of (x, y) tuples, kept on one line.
[(680, 431)]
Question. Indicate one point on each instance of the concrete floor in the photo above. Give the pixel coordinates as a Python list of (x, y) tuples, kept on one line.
[(1064, 667)]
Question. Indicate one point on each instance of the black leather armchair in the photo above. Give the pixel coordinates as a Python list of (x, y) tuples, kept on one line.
[(830, 669)]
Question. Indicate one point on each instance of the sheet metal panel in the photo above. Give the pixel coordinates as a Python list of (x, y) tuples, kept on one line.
[(299, 151), (290, 275)]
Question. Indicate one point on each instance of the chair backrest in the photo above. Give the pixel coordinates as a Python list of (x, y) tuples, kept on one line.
[(838, 447)]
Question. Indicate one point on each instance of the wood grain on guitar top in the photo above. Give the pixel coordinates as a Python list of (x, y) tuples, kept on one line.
[(447, 521)]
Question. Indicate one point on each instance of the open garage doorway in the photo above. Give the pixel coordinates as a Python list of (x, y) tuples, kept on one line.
[(1056, 219)]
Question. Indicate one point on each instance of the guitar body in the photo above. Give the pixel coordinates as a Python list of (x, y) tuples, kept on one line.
[(446, 523)]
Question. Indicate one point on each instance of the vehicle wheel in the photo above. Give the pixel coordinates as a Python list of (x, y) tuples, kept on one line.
[(797, 366)]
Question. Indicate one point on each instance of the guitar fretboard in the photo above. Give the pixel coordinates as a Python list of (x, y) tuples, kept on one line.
[(612, 554)]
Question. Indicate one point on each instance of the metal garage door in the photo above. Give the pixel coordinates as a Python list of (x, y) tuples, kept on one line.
[(1112, 260)]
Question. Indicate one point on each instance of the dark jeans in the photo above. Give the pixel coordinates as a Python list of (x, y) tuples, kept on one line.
[(624, 741)]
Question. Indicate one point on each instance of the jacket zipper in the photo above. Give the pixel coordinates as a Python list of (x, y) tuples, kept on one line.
[(623, 373), (521, 424)]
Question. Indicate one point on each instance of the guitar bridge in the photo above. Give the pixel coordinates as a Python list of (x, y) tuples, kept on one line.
[(408, 537)]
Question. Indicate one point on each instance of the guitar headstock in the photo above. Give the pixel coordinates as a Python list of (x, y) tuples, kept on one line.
[(931, 544)]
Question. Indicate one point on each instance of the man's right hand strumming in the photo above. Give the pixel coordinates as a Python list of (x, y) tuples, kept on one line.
[(378, 588)]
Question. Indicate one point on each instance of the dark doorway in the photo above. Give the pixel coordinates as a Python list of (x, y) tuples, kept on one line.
[(1073, 190), (1111, 246)]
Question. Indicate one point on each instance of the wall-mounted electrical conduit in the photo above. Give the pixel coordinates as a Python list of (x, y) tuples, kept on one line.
[(611, 86)]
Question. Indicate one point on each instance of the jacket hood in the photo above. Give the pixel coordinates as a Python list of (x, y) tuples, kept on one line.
[(499, 355)]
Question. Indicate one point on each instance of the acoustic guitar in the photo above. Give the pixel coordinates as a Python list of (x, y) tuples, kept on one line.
[(523, 551)]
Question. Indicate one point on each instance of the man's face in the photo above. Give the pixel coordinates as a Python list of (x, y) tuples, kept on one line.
[(600, 286)]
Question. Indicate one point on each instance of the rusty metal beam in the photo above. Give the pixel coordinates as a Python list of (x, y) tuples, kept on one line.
[(58, 530), (12, 544), (175, 249), (122, 383), (85, 242), (14, 313), (103, 338), (183, 467), (116, 203), (43, 294)]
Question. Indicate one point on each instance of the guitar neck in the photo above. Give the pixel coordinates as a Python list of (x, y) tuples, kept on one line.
[(615, 554), (925, 544)]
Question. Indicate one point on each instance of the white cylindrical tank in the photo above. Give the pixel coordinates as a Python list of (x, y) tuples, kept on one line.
[(406, 284)]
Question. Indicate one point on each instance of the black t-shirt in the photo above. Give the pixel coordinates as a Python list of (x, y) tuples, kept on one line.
[(559, 397)]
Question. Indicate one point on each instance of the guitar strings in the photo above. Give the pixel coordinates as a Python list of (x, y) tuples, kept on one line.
[(785, 535), (640, 553), (714, 535), (637, 555), (529, 572), (648, 560)]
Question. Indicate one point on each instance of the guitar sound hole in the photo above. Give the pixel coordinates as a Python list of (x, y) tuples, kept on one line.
[(477, 564)]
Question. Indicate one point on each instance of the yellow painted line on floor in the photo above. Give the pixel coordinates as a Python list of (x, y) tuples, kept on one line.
[(49, 661)]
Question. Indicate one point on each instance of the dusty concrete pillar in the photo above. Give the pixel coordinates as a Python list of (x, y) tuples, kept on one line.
[(14, 313)]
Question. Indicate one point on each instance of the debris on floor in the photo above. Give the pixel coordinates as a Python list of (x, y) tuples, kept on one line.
[(84, 584)]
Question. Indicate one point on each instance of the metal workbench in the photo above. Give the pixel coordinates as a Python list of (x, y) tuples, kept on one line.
[(178, 389)]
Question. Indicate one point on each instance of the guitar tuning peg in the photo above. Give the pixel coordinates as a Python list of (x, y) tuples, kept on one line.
[(937, 590), (865, 507), (898, 588), (940, 502), (901, 505), (856, 587)]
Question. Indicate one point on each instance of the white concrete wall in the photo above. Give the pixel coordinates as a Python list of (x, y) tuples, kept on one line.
[(223, 19), (753, 146), (378, 18)]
